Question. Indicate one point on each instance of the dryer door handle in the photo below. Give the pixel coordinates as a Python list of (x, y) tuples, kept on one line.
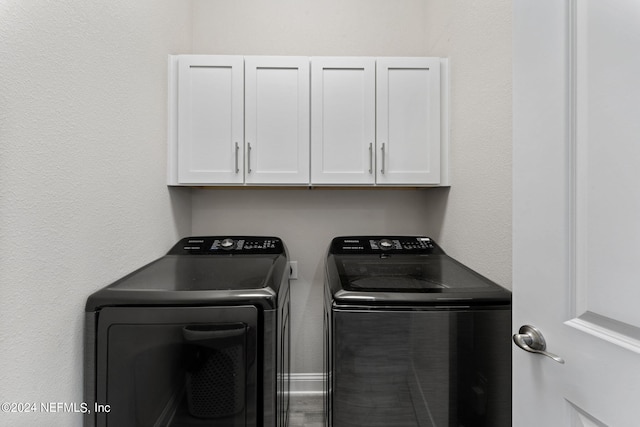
[(215, 331)]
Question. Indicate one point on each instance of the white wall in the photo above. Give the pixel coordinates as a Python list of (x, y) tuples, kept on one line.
[(472, 220), (83, 198), (476, 35), (310, 27)]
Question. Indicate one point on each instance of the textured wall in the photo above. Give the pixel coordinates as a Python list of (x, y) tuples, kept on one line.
[(310, 27), (83, 198), (472, 220)]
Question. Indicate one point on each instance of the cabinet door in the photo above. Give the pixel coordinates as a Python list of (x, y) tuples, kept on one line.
[(343, 120), (210, 119), (408, 121), (277, 120)]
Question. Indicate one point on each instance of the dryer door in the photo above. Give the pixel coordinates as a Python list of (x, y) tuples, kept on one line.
[(173, 366)]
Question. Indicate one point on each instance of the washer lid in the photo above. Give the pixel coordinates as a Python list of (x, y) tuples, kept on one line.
[(410, 280), (196, 273), (398, 273), (202, 271)]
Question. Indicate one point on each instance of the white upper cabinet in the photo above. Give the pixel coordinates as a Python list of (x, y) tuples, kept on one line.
[(343, 120), (376, 121), (210, 119), (286, 120), (240, 120), (408, 121), (277, 120)]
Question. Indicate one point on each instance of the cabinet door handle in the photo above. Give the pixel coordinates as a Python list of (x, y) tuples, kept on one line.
[(248, 157), (370, 158), (382, 168), (237, 149)]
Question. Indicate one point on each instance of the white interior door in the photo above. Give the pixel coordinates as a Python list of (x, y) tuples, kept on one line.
[(576, 212)]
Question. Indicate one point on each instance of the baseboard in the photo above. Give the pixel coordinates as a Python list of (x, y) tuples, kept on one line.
[(306, 384)]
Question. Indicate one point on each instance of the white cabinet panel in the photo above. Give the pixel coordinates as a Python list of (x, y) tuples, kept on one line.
[(277, 120), (343, 120), (210, 119), (408, 120)]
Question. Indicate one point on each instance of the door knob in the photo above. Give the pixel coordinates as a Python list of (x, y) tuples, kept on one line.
[(530, 339)]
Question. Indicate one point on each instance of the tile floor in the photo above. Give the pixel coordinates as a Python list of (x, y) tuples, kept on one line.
[(306, 411)]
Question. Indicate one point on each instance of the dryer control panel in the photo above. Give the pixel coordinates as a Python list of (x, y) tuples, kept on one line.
[(384, 244), (225, 245)]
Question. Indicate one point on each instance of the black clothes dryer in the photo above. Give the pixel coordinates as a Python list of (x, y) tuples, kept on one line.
[(413, 338), (199, 337)]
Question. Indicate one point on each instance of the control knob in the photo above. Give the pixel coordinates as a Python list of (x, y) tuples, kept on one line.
[(385, 244), (227, 244)]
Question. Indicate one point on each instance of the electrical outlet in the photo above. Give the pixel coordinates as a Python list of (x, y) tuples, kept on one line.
[(293, 270)]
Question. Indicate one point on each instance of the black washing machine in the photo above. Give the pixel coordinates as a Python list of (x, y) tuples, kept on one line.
[(199, 337), (413, 338)]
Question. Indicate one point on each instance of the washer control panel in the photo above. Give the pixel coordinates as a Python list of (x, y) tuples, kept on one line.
[(225, 245), (384, 244)]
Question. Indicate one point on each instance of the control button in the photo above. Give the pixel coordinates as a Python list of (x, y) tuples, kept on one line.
[(385, 244), (227, 244)]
